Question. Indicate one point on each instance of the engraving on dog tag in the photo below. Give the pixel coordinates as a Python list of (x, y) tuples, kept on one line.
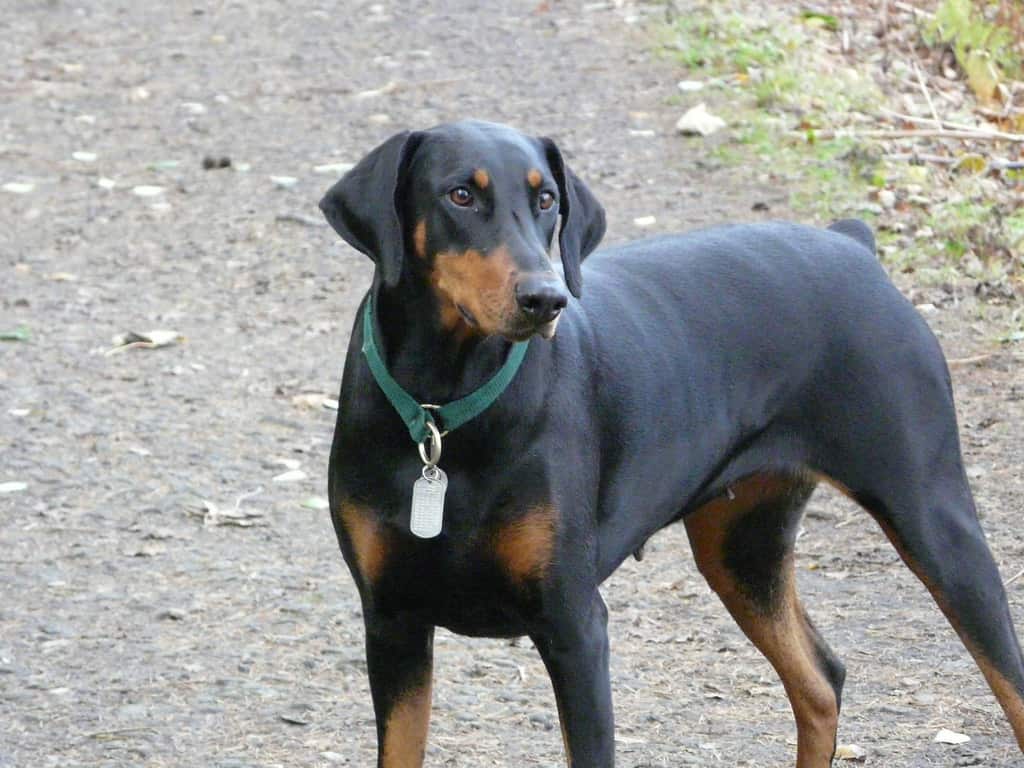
[(428, 503)]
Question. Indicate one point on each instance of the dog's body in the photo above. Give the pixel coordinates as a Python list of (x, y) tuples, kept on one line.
[(714, 378)]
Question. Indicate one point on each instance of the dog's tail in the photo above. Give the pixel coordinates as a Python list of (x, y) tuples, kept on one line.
[(857, 230)]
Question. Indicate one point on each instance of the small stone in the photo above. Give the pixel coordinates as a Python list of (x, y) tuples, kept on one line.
[(644, 221), (284, 182), (945, 736), (19, 187), (145, 190), (690, 86), (193, 108), (927, 308), (886, 198), (379, 119), (104, 183), (84, 157), (13, 486), (291, 476), (850, 752)]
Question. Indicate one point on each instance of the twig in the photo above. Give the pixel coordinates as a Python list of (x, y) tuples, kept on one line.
[(927, 96), (997, 164), (911, 9), (298, 218), (935, 133), (960, 362), (1013, 578), (942, 123)]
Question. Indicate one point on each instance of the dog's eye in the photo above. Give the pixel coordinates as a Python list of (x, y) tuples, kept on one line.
[(461, 196), (545, 200)]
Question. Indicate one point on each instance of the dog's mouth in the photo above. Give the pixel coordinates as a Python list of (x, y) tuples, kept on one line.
[(468, 316), (525, 330)]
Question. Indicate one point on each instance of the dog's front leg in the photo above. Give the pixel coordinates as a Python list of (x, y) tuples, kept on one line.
[(399, 659), (574, 647)]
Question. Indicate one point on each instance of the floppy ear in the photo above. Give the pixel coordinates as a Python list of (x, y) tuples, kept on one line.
[(583, 221), (364, 207)]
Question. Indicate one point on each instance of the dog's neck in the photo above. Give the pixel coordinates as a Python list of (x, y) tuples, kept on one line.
[(426, 359)]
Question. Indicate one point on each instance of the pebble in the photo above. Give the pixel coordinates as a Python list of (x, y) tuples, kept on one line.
[(887, 198), (13, 486), (19, 187), (104, 183), (145, 190), (84, 157), (330, 169), (284, 181), (644, 221)]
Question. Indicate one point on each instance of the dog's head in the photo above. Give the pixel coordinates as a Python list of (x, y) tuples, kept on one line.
[(471, 208)]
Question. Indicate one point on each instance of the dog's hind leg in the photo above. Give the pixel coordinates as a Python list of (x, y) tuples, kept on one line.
[(743, 546), (934, 527)]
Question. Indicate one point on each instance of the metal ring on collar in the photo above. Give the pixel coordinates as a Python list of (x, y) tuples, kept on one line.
[(434, 438)]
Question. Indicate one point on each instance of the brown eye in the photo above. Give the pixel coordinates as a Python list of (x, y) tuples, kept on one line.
[(461, 196), (545, 200)]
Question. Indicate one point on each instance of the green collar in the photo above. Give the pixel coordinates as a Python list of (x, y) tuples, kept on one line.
[(452, 415)]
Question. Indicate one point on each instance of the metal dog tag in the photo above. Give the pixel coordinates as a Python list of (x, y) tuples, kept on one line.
[(428, 503)]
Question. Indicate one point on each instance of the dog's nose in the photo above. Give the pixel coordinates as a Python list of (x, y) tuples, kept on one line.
[(541, 297)]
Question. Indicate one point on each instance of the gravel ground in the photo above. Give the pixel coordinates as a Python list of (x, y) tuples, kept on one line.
[(166, 601)]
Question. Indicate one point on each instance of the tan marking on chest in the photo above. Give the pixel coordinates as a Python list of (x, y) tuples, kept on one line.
[(534, 178), (371, 543), (419, 238), (481, 177), (524, 547)]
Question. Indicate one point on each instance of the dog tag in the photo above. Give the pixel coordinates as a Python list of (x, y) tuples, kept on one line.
[(428, 503)]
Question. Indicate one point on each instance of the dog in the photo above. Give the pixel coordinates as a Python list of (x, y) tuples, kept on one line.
[(488, 481)]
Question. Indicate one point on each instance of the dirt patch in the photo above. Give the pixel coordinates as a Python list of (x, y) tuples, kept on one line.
[(167, 601)]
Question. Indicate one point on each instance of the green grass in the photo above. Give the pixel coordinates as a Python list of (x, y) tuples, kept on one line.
[(768, 74)]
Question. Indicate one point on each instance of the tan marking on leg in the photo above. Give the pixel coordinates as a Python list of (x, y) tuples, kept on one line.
[(481, 177), (1007, 696), (405, 731), (783, 635), (419, 238), (370, 542), (534, 178), (482, 284), (524, 546)]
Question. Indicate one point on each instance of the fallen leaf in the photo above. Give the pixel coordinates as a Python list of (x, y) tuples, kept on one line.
[(699, 122), (850, 752), (18, 334), (147, 340), (945, 736)]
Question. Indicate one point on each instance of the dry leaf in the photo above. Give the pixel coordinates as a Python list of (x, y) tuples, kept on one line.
[(699, 122), (850, 752)]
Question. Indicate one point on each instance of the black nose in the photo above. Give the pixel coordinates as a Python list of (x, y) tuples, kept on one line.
[(541, 297)]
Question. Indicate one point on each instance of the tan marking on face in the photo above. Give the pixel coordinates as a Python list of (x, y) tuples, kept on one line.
[(524, 547), (534, 178), (482, 284), (405, 731), (370, 542), (783, 635), (481, 178), (419, 238)]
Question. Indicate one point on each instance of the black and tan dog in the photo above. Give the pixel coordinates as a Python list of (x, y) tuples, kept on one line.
[(713, 378)]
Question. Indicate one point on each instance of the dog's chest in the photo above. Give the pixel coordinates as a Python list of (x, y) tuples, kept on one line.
[(475, 578)]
